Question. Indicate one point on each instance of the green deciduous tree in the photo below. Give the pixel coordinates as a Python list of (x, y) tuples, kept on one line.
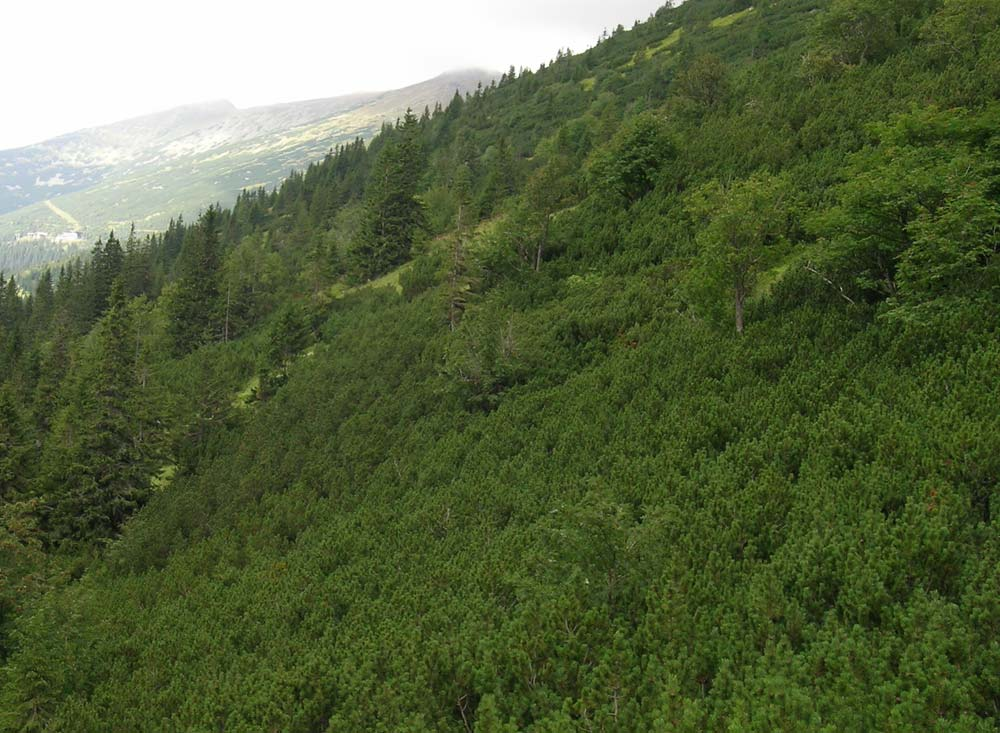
[(627, 169), (740, 229), (488, 718), (548, 190), (861, 31), (704, 82), (250, 275), (289, 335), (959, 27), (917, 220)]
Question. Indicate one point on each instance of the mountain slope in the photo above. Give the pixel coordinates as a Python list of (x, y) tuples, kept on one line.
[(678, 415), (150, 169)]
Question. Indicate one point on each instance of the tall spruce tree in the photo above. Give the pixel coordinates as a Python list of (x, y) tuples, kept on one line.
[(106, 264), (105, 476), (393, 213), (44, 303), (501, 178), (11, 324), (135, 268), (15, 448), (194, 304)]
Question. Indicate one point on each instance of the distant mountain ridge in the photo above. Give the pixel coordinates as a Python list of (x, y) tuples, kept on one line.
[(150, 168)]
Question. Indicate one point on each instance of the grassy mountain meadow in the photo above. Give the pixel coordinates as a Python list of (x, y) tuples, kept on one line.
[(651, 390)]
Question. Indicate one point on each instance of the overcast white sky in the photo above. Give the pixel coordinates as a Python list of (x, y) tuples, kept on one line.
[(69, 64)]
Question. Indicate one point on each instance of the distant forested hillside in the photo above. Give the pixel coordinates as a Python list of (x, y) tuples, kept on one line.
[(651, 390), (172, 163)]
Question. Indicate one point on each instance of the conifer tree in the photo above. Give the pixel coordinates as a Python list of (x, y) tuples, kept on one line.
[(106, 266), (44, 303), (393, 213), (501, 179), (135, 267), (193, 306), (78, 296), (288, 336), (53, 364), (10, 302), (14, 448), (11, 324), (105, 477), (174, 238)]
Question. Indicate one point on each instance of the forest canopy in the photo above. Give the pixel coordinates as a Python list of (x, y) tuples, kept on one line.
[(653, 389)]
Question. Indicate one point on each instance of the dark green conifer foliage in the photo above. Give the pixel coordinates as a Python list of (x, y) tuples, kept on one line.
[(107, 261), (173, 240), (53, 365), (501, 179), (194, 304), (44, 304), (393, 213), (11, 324), (15, 448), (104, 478), (289, 335), (586, 504), (136, 266)]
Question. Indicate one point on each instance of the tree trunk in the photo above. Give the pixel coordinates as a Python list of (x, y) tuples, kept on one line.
[(455, 304), (541, 245), (229, 297), (739, 302)]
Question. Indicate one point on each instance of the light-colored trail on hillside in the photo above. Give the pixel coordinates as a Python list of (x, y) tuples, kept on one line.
[(68, 218)]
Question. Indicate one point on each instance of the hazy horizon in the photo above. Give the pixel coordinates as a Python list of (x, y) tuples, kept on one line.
[(246, 107), (69, 81)]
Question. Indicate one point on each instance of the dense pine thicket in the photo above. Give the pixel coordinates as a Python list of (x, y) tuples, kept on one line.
[(682, 415)]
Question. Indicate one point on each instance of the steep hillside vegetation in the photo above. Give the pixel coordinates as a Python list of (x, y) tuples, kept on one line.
[(652, 390)]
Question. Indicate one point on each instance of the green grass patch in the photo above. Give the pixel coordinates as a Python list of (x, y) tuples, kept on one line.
[(667, 42), (389, 280), (245, 396), (649, 52), (727, 20), (769, 279)]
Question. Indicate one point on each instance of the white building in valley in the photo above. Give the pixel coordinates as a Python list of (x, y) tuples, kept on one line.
[(33, 237), (69, 238)]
